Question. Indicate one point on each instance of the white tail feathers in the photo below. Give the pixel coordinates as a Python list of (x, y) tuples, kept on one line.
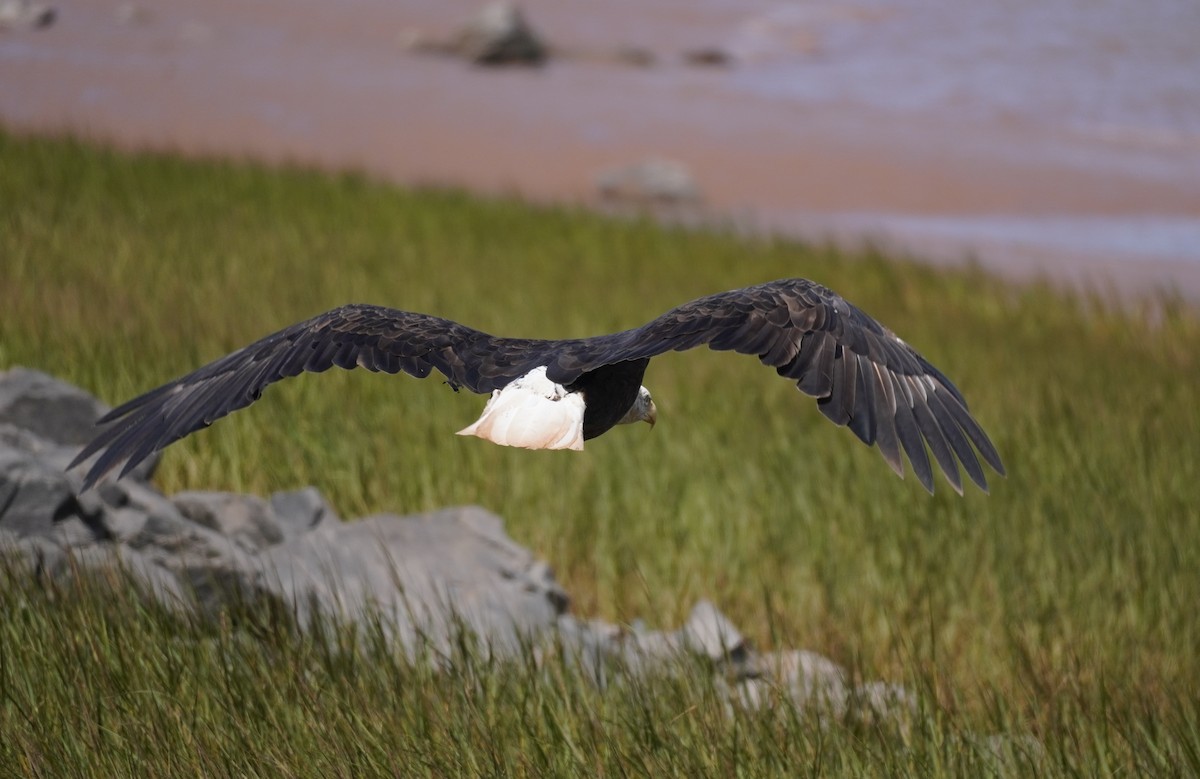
[(532, 413)]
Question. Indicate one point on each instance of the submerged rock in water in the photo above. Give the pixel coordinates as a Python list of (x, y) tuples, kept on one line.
[(499, 35), (653, 181), (26, 14)]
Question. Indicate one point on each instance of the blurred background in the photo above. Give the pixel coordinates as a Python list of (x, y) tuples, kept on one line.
[(1038, 137)]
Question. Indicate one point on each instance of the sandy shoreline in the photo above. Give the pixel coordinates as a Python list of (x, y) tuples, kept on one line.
[(323, 86)]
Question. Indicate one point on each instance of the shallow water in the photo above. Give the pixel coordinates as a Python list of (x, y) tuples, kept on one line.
[(1058, 136), (1118, 72)]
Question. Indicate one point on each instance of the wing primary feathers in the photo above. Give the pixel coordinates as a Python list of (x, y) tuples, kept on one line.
[(958, 442), (862, 421), (117, 440), (885, 420), (932, 431), (963, 419), (910, 438), (125, 408), (145, 446)]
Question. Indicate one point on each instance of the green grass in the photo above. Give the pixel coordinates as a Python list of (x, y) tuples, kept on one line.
[(1063, 605)]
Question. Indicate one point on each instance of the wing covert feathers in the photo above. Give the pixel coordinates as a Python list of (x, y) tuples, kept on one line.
[(862, 376)]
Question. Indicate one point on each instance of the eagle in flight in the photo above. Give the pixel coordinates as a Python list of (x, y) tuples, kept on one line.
[(548, 394)]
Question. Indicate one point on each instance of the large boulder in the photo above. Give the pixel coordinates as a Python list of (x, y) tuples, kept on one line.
[(115, 565), (246, 520), (38, 498), (50, 409), (255, 523), (53, 420), (34, 495), (214, 566), (300, 511), (425, 577)]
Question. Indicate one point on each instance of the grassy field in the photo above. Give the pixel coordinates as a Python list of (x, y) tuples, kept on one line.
[(1062, 606)]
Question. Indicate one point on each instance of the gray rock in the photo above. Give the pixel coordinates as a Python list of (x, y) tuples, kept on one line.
[(246, 519), (820, 688), (591, 645), (8, 539), (299, 511), (126, 524), (139, 515), (425, 577), (813, 682), (37, 554), (650, 651), (49, 408), (53, 455), (1014, 755), (52, 419), (78, 530), (22, 440), (499, 35), (708, 56), (653, 181), (214, 566), (709, 634), (116, 565), (881, 702), (34, 495), (634, 55)]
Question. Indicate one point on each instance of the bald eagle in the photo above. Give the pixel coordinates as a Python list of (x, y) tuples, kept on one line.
[(548, 394)]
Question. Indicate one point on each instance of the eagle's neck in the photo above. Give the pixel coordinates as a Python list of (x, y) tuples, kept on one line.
[(609, 393)]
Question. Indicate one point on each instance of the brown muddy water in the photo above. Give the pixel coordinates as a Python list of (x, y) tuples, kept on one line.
[(1041, 137)]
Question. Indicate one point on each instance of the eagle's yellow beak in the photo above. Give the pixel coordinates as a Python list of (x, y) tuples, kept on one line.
[(651, 415)]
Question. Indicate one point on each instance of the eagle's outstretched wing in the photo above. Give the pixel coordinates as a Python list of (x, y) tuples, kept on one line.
[(862, 375), (353, 336)]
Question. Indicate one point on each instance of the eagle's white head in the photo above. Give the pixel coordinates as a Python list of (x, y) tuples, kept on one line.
[(642, 410)]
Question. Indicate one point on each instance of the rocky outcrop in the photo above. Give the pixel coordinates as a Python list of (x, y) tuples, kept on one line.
[(427, 579), (426, 576)]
